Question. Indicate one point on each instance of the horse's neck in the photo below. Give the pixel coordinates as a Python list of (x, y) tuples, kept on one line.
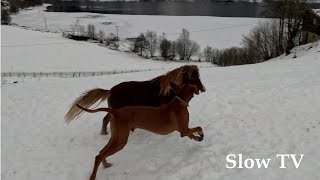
[(156, 79), (155, 83)]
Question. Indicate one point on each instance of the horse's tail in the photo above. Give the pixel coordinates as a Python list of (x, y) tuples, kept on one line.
[(109, 110), (86, 100)]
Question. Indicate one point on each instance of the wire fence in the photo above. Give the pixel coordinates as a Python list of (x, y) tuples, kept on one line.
[(70, 74), (81, 73)]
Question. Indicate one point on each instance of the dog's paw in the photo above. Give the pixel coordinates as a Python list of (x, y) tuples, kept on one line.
[(199, 136), (107, 165)]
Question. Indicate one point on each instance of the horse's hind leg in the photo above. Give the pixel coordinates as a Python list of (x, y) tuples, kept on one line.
[(105, 123)]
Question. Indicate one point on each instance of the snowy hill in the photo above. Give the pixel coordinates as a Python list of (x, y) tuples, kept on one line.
[(33, 51), (256, 110)]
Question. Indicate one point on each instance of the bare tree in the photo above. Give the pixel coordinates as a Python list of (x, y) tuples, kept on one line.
[(140, 45), (290, 13), (207, 53), (101, 36), (296, 9), (82, 30), (215, 56), (183, 43), (165, 47), (172, 52), (91, 31), (263, 41), (74, 27), (111, 39), (152, 40), (192, 49)]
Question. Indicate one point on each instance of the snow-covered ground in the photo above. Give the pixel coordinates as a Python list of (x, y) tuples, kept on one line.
[(256, 110), (218, 32), (34, 51)]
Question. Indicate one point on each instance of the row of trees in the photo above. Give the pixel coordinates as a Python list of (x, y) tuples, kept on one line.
[(268, 39), (259, 45), (149, 44), (81, 32)]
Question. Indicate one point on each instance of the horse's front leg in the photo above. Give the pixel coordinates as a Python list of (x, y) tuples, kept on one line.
[(105, 123)]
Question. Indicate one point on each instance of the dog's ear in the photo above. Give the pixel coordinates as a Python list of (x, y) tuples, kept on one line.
[(174, 86)]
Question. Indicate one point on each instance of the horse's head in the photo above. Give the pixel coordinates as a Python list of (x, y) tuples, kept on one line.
[(188, 74), (192, 76)]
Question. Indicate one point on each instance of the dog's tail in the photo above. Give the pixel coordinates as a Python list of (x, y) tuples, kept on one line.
[(109, 110), (86, 100)]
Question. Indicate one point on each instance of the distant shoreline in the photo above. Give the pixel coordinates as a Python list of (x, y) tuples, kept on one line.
[(171, 8)]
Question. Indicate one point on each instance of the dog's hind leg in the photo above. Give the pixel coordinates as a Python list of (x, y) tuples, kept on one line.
[(99, 158), (116, 145), (105, 123)]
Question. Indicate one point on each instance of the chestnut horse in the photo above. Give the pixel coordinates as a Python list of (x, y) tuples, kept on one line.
[(154, 92)]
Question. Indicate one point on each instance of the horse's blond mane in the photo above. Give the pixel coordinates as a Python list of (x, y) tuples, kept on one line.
[(175, 76)]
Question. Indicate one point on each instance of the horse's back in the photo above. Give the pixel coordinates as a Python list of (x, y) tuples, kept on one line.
[(134, 93)]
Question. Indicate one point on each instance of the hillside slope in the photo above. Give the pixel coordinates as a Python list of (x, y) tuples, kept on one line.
[(256, 110)]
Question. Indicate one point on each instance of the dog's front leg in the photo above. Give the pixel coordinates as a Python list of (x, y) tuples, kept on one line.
[(189, 132), (183, 126), (199, 131)]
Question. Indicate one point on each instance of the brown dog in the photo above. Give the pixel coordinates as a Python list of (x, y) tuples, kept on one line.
[(160, 120)]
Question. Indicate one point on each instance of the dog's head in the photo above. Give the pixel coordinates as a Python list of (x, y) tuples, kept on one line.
[(185, 91)]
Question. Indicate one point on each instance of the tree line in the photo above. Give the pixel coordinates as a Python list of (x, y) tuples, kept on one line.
[(268, 39), (148, 44), (13, 6)]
